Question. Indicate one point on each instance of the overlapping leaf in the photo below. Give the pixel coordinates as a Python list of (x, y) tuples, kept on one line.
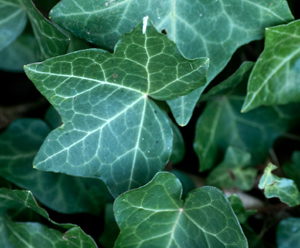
[(213, 29), (19, 144), (276, 76), (288, 233), (283, 188), (13, 17), (12, 22), (112, 129), (222, 124), (233, 171), (155, 216), (31, 234)]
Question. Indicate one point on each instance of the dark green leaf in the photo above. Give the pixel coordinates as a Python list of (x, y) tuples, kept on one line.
[(283, 188), (112, 129), (19, 53), (111, 229), (187, 183), (288, 233), (19, 144), (155, 216), (292, 170), (222, 124), (34, 235), (233, 171), (238, 207), (178, 150), (12, 22), (276, 76)]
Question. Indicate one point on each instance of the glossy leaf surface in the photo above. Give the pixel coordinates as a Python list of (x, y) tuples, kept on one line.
[(276, 76), (204, 219), (213, 29), (233, 171), (283, 188), (112, 129), (19, 144)]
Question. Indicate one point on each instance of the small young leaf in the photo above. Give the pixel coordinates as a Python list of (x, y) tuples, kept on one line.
[(275, 77), (288, 233), (233, 171), (112, 129), (283, 188), (155, 216)]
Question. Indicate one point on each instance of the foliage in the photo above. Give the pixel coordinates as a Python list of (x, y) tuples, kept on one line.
[(101, 92)]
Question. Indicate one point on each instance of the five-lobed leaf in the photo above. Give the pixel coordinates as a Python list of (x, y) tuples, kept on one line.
[(275, 78), (283, 188), (19, 143), (112, 129), (213, 29), (155, 216)]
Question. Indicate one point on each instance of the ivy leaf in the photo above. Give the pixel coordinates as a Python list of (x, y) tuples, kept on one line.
[(238, 207), (19, 53), (233, 171), (12, 22), (288, 233), (204, 219), (283, 188), (178, 150), (275, 77), (112, 129), (213, 29), (292, 170), (19, 144), (29, 234), (51, 41), (222, 124)]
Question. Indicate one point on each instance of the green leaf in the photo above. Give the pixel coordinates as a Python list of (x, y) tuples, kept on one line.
[(276, 76), (222, 124), (35, 235), (282, 188), (19, 144), (213, 29), (51, 41), (111, 229), (187, 183), (288, 233), (155, 216), (12, 22), (178, 150), (233, 171), (292, 170), (238, 207), (19, 53), (112, 129)]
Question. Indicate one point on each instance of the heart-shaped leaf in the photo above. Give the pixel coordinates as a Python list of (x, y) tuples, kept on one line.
[(112, 129), (155, 216)]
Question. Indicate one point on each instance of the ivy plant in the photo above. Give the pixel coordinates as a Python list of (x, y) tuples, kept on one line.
[(149, 123)]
